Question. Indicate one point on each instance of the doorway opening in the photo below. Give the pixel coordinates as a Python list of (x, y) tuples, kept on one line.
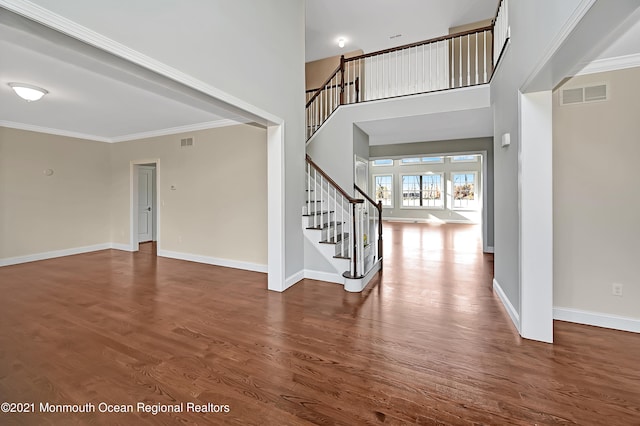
[(144, 203)]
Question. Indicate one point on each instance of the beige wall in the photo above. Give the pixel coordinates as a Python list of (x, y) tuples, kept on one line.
[(219, 206), (39, 213), (595, 212), (218, 210), (317, 72)]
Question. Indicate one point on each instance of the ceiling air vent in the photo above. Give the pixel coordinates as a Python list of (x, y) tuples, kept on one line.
[(579, 95), (186, 143)]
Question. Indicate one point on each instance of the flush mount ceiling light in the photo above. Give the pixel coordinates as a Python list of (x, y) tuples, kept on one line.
[(341, 42), (28, 92)]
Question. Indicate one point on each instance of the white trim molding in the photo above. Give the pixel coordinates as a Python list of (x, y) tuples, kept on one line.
[(490, 249), (293, 279), (597, 319), (513, 314), (7, 261), (324, 276), (125, 138), (227, 263), (611, 64), (52, 131), (179, 129)]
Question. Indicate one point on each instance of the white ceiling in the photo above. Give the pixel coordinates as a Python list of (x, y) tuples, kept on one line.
[(93, 94), (471, 123), (368, 24)]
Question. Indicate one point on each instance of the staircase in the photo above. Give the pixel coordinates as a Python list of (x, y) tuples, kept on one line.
[(342, 228), (345, 225)]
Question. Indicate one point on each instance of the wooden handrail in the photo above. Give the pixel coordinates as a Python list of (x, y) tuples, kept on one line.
[(333, 86), (371, 200), (378, 206), (322, 87), (495, 15), (333, 183), (420, 43)]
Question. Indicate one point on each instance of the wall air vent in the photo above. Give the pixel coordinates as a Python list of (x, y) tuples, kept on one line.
[(579, 95), (186, 143)]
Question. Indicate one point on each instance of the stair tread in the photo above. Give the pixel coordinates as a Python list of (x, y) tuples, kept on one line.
[(325, 225), (318, 213), (340, 256), (332, 241)]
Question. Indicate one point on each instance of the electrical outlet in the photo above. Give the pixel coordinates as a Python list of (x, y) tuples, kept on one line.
[(616, 289)]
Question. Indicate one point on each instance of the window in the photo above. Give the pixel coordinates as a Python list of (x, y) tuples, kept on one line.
[(432, 160), (464, 158), (383, 185), (422, 160), (464, 190), (383, 162), (422, 191), (410, 161)]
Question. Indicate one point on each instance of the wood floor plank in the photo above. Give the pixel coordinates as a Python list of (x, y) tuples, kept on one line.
[(427, 343)]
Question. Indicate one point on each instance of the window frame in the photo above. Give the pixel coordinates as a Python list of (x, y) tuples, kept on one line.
[(392, 189), (442, 191), (373, 162), (476, 200), (454, 161)]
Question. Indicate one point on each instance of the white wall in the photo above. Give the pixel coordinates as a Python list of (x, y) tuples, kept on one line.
[(252, 51), (332, 146), (595, 202), (67, 210), (548, 39), (534, 25), (218, 208)]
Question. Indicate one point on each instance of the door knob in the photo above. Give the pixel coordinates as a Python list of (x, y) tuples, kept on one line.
[(148, 209)]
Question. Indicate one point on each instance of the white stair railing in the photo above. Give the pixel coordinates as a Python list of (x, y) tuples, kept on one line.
[(452, 61), (344, 221), (501, 30)]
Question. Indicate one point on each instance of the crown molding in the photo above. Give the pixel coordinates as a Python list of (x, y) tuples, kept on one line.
[(179, 129), (125, 138), (611, 64), (52, 131)]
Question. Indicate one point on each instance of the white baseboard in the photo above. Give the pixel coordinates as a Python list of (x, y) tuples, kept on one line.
[(123, 247), (293, 279), (490, 249), (53, 254), (513, 313), (425, 220), (597, 319), (247, 266), (324, 276)]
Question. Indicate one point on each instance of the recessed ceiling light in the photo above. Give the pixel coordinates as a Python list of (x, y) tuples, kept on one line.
[(341, 42), (28, 92)]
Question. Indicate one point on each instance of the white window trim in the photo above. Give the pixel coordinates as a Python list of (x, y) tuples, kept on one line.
[(454, 161), (393, 189), (476, 200), (402, 163), (373, 162), (441, 159), (442, 192)]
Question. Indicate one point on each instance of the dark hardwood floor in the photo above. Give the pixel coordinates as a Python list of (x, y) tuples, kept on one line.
[(427, 343)]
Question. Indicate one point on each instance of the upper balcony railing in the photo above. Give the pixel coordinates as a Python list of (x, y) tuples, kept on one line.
[(457, 60)]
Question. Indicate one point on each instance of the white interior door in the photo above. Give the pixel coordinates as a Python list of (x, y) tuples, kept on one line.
[(362, 174), (145, 204)]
